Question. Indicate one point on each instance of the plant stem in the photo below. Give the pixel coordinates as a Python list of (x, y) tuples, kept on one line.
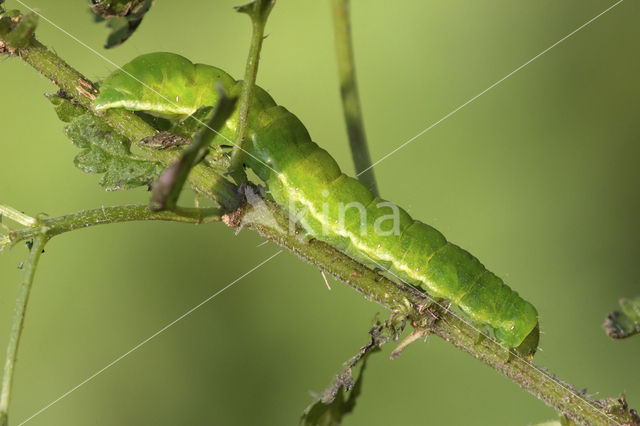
[(406, 300), (16, 328), (203, 179), (168, 187), (402, 299), (17, 216), (349, 93), (45, 230), (115, 214), (258, 11)]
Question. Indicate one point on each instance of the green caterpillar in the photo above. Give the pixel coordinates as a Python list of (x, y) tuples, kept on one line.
[(329, 205)]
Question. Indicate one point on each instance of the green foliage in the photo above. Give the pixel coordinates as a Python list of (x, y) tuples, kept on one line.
[(123, 17), (65, 108), (103, 150), (619, 325), (333, 404), (108, 153)]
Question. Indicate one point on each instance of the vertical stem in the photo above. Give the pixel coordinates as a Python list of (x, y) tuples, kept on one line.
[(16, 327), (349, 94), (168, 187), (258, 11)]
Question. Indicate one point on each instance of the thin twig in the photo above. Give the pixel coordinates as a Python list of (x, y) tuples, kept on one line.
[(349, 93), (114, 214), (16, 327), (416, 334), (258, 11), (41, 232), (168, 187)]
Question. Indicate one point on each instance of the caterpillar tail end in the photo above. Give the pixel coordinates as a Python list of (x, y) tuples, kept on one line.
[(529, 345)]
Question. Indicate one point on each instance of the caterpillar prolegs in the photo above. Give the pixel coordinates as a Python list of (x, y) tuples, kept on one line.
[(329, 205)]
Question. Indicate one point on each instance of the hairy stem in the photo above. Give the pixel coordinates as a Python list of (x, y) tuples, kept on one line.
[(350, 97), (16, 327), (396, 297), (258, 11), (40, 232), (115, 214), (406, 300)]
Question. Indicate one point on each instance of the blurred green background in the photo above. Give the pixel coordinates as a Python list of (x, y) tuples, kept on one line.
[(538, 178)]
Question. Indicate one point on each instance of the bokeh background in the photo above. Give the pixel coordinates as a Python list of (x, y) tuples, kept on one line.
[(538, 178)]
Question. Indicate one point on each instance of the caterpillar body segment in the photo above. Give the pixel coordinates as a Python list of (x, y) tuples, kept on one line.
[(332, 207)]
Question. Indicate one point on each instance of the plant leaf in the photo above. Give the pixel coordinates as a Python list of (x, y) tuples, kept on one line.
[(123, 17), (65, 108), (104, 151), (619, 325), (333, 404), (130, 174), (330, 413)]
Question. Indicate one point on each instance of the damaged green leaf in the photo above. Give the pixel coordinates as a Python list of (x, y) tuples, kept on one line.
[(123, 17), (619, 325), (103, 150), (66, 109), (333, 404)]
